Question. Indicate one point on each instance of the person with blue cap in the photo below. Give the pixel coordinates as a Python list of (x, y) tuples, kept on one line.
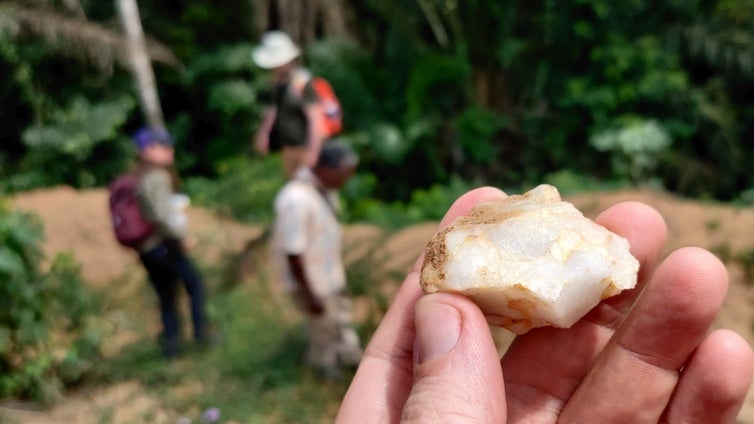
[(163, 252)]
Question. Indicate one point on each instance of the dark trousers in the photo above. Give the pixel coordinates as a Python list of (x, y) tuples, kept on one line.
[(166, 264)]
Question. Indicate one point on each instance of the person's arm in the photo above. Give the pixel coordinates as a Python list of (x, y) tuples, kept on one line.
[(315, 127), (262, 136), (313, 303), (155, 190), (316, 136)]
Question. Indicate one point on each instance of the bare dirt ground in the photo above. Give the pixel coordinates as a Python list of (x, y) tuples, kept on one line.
[(78, 221)]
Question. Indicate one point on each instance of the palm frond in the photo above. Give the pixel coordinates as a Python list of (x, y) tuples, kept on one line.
[(728, 49), (77, 37)]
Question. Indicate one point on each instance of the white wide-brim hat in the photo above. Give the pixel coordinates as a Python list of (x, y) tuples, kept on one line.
[(276, 49)]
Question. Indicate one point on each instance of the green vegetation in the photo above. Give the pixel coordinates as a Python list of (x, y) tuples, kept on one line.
[(254, 375), (746, 260), (439, 98), (476, 91), (48, 333), (243, 189), (55, 333)]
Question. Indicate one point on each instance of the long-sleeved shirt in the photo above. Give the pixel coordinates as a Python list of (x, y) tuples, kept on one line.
[(155, 192)]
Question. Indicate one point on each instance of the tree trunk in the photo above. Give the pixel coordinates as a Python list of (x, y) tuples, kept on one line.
[(74, 6), (141, 66), (261, 16), (303, 20), (333, 18)]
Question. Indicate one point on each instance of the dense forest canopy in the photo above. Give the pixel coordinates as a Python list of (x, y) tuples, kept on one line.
[(434, 91)]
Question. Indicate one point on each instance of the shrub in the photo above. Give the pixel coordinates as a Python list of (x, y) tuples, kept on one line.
[(424, 205), (634, 147), (572, 182), (80, 145), (244, 188), (746, 260), (47, 337)]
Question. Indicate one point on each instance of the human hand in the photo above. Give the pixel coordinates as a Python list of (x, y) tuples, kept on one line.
[(311, 158), (262, 145), (643, 356), (188, 242), (314, 305)]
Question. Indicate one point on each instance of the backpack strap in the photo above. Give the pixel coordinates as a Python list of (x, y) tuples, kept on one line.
[(299, 78)]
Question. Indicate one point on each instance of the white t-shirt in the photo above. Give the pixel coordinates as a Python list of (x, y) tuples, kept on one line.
[(305, 224)]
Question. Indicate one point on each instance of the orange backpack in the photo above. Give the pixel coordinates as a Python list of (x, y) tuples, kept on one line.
[(332, 114)]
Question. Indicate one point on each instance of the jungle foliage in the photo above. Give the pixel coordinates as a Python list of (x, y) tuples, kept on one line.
[(49, 339), (436, 93)]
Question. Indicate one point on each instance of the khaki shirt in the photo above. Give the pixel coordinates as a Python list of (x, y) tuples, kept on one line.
[(155, 192)]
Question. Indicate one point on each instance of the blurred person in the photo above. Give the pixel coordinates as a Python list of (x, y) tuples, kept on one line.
[(163, 251), (292, 121), (645, 356), (307, 247)]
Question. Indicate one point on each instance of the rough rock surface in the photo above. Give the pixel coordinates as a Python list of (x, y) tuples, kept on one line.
[(529, 260)]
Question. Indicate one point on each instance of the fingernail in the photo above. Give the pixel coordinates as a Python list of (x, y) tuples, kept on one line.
[(438, 326)]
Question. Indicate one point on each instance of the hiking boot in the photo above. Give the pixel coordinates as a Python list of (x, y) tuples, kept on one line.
[(171, 349), (207, 340)]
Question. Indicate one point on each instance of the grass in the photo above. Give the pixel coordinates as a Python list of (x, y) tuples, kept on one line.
[(256, 373), (746, 259)]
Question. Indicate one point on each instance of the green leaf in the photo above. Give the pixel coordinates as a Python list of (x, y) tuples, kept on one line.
[(11, 263), (5, 340), (231, 96), (387, 142)]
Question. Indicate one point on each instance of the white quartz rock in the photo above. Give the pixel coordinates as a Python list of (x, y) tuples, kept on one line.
[(529, 261)]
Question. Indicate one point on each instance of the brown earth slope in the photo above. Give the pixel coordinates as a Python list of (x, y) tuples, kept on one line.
[(78, 222)]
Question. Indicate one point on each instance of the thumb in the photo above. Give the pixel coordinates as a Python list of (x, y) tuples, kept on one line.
[(457, 372)]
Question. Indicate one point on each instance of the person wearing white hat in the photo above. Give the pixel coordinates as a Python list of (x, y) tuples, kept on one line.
[(290, 123)]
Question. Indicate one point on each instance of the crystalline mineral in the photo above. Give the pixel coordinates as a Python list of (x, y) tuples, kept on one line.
[(528, 261)]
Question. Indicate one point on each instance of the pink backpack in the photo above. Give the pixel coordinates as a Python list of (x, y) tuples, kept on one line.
[(129, 225)]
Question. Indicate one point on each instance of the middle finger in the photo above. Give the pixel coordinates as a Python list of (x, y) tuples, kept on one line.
[(543, 367)]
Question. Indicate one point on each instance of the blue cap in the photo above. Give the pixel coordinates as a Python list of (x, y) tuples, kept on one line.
[(148, 136), (336, 154)]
